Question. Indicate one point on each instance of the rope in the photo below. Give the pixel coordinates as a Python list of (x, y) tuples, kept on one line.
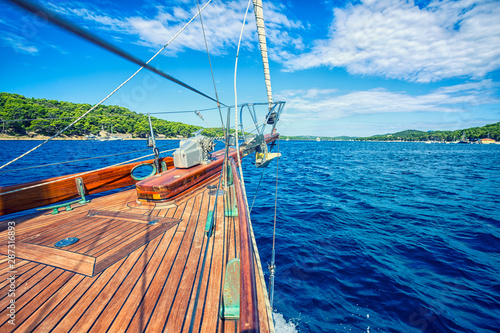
[(211, 69), (114, 115), (261, 32), (208, 126), (236, 103), (256, 125), (272, 267), (45, 14), (257, 190), (41, 12), (80, 174)]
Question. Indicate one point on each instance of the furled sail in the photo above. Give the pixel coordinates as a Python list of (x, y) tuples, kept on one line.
[(261, 31)]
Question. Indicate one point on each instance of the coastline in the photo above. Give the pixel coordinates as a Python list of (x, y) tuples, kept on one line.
[(64, 138)]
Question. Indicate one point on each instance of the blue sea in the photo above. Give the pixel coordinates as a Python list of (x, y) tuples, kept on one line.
[(371, 236)]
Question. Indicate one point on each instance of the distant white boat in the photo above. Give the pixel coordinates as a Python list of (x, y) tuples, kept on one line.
[(110, 138), (318, 139)]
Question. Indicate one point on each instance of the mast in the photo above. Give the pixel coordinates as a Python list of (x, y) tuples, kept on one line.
[(261, 31)]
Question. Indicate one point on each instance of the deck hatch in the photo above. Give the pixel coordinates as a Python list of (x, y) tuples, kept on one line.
[(103, 238)]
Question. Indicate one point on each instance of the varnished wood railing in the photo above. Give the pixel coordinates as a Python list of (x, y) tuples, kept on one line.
[(249, 312), (49, 192)]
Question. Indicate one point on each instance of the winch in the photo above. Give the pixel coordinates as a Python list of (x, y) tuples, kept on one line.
[(193, 151)]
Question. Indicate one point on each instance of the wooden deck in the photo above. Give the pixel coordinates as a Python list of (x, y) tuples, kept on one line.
[(124, 273)]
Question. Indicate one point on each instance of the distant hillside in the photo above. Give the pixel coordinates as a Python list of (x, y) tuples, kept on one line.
[(30, 116), (491, 130), (323, 138)]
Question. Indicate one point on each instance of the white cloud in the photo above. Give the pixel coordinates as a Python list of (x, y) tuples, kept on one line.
[(19, 44), (318, 104), (397, 39), (221, 20)]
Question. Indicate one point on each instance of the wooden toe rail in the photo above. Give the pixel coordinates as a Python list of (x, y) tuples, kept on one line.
[(249, 312), (45, 194)]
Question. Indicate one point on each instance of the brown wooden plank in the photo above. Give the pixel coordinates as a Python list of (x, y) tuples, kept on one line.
[(82, 231), (33, 222), (203, 280), (106, 239), (91, 234), (53, 233), (27, 274), (116, 240), (90, 304), (71, 261), (133, 285), (129, 308), (95, 182), (18, 264), (23, 288), (3, 260), (172, 320), (73, 298), (203, 290), (249, 313), (37, 311), (41, 289), (210, 282), (103, 310), (213, 297), (261, 297), (113, 254), (157, 283), (161, 293), (132, 217)]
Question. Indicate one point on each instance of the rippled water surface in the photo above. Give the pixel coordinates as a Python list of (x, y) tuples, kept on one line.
[(371, 237)]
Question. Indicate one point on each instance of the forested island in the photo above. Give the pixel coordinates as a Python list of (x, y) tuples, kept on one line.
[(32, 117), (474, 133), (22, 116), (469, 134)]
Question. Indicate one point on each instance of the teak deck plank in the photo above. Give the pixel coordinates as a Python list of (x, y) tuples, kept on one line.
[(39, 312), (129, 308), (122, 292), (96, 296), (19, 263), (93, 236), (23, 289), (146, 277), (21, 280), (74, 297), (25, 306), (71, 261), (112, 236), (165, 282), (182, 278)]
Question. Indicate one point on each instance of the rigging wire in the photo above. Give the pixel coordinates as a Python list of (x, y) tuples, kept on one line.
[(72, 161), (45, 14), (106, 115), (210, 63), (272, 266), (117, 115), (257, 189), (42, 12)]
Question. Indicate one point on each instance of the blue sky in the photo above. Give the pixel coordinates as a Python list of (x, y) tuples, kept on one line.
[(354, 68)]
